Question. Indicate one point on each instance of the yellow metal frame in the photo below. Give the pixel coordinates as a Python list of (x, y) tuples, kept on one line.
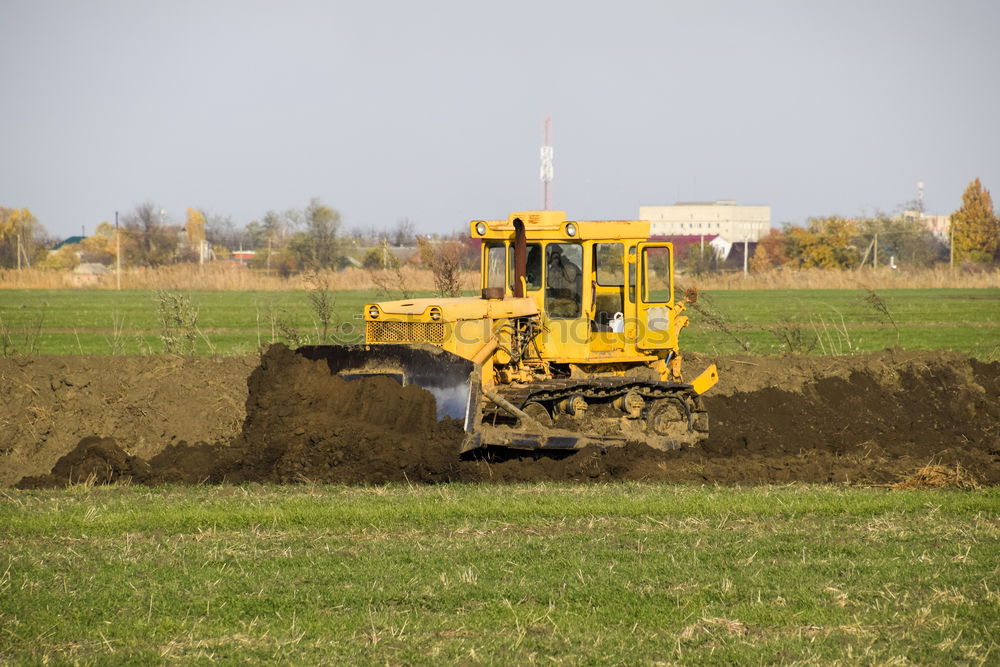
[(471, 325), (552, 225)]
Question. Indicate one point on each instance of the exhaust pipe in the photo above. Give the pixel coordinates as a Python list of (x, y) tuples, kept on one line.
[(520, 257)]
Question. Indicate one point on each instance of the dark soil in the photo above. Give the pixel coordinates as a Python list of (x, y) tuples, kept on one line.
[(865, 419), (145, 403), (304, 423)]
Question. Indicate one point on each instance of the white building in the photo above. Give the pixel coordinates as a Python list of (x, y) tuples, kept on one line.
[(725, 218)]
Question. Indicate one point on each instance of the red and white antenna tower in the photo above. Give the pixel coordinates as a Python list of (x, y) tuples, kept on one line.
[(546, 171)]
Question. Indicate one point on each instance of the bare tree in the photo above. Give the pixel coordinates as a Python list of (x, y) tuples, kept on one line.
[(279, 225), (444, 259), (150, 240), (221, 230), (317, 247), (403, 234)]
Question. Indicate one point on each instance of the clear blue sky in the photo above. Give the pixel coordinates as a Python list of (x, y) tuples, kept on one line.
[(433, 110)]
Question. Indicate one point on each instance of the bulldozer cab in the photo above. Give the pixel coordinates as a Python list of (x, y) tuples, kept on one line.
[(603, 291)]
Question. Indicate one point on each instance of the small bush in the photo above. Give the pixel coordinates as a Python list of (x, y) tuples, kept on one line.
[(322, 302), (444, 259), (178, 322)]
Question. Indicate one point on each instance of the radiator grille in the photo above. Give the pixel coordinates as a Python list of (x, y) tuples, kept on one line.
[(405, 332)]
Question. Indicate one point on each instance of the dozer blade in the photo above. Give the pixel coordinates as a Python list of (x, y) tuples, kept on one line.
[(454, 381), (543, 439)]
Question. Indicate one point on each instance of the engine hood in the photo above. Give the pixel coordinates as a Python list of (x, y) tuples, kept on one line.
[(460, 308)]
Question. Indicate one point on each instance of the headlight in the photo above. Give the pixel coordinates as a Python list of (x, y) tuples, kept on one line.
[(571, 229), (481, 228), (435, 314), (373, 312)]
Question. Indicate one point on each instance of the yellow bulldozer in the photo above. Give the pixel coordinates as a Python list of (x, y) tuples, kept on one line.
[(572, 342)]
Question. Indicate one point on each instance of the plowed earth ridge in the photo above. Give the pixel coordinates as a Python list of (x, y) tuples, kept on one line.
[(859, 419)]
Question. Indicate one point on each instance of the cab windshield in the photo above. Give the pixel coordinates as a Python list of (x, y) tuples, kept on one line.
[(496, 261)]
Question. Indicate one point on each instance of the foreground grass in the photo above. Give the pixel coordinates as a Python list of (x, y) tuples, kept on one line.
[(723, 322), (572, 574)]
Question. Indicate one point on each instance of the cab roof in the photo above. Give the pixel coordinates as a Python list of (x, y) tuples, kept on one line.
[(553, 225)]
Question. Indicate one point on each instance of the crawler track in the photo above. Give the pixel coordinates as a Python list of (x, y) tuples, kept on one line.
[(619, 411)]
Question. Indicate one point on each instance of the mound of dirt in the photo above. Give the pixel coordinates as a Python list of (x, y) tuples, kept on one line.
[(865, 419), (93, 461), (872, 419), (304, 423), (48, 404)]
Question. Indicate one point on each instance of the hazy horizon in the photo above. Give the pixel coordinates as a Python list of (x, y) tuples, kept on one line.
[(433, 111)]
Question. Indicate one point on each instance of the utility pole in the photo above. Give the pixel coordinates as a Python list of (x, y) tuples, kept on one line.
[(118, 254), (746, 245), (875, 255), (951, 245), (864, 260), (547, 171), (22, 254)]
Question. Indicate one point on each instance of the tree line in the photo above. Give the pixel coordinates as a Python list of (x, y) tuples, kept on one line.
[(286, 242), (297, 240), (834, 242)]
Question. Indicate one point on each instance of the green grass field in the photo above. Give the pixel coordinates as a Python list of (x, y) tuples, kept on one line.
[(611, 574), (232, 322), (845, 321), (765, 321)]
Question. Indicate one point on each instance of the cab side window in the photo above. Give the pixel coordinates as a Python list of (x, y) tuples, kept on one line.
[(563, 280), (609, 293), (609, 260), (656, 287)]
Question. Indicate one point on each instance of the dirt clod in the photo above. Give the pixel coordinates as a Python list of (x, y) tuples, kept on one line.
[(93, 461)]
